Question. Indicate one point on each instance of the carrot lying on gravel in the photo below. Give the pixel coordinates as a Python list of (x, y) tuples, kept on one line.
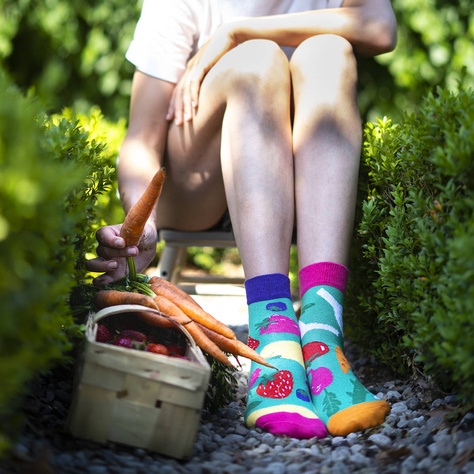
[(170, 309), (138, 215), (105, 298), (234, 346), (194, 311)]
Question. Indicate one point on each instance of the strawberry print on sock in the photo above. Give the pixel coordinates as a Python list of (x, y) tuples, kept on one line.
[(252, 343), (279, 385)]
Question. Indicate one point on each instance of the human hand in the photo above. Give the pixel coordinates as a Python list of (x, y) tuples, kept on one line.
[(185, 96), (112, 253)]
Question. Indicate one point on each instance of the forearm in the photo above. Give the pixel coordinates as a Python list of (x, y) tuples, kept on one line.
[(142, 151), (137, 165), (371, 29)]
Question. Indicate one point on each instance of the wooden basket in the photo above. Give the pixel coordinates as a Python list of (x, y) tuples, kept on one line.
[(138, 398)]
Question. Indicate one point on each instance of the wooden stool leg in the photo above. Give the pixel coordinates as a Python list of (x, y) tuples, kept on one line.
[(170, 261)]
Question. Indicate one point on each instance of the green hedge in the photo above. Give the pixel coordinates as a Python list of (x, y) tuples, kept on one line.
[(411, 294), (52, 174)]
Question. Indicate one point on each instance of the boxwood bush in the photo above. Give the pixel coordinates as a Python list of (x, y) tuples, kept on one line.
[(411, 294), (52, 174)]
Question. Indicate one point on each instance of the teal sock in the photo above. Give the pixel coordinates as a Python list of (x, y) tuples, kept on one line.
[(278, 399), (341, 401)]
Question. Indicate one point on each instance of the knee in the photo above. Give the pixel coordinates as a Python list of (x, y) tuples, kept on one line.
[(329, 54), (255, 64)]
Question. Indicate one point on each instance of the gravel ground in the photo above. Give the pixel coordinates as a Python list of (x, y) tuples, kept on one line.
[(416, 436)]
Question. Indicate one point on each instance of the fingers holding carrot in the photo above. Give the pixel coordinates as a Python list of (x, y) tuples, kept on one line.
[(112, 253)]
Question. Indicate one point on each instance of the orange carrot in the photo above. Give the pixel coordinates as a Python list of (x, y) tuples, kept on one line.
[(170, 309), (138, 215), (194, 311), (234, 346), (105, 298), (156, 319), (167, 284)]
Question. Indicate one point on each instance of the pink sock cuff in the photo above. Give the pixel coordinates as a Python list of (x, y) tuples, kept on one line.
[(323, 273)]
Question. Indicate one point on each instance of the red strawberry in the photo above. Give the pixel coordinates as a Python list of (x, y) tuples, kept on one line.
[(279, 385), (253, 343), (157, 349), (103, 334), (175, 349)]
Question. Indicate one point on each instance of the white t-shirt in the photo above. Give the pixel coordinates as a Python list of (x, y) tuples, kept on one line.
[(169, 32)]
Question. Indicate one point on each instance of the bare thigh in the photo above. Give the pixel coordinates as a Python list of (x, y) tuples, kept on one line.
[(194, 195)]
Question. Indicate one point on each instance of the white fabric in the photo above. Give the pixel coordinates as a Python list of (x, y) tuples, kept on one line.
[(169, 32)]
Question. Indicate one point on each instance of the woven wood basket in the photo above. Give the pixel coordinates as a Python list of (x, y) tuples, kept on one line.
[(138, 398)]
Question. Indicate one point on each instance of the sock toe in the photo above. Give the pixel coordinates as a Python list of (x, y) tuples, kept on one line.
[(358, 417), (292, 425)]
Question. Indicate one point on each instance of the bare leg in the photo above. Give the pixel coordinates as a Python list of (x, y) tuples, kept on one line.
[(326, 141), (257, 163), (248, 92)]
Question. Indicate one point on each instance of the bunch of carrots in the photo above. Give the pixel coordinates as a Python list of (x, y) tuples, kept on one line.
[(211, 335)]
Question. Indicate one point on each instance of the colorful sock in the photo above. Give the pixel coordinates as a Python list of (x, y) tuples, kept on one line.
[(341, 401), (278, 400)]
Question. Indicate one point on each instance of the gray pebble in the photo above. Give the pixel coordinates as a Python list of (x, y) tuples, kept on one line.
[(340, 468), (97, 469), (359, 460), (443, 447), (451, 399), (409, 464), (439, 402), (233, 440), (338, 441), (413, 403), (268, 438), (424, 464), (403, 424), (341, 454), (276, 468), (380, 440), (393, 395), (399, 408), (468, 468), (467, 420), (220, 456)]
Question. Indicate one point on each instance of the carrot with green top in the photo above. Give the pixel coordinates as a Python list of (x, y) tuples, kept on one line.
[(193, 310), (137, 217), (167, 284), (105, 298)]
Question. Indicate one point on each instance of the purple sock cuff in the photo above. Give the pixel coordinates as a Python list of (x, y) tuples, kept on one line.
[(323, 273), (267, 287)]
